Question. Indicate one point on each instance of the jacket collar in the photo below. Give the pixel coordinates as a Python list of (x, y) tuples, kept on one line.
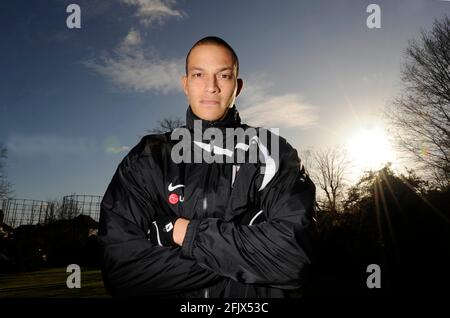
[(231, 120)]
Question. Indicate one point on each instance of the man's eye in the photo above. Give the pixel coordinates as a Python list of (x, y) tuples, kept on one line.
[(225, 76), (197, 75)]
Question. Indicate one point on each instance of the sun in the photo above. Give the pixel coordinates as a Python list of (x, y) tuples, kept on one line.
[(370, 149)]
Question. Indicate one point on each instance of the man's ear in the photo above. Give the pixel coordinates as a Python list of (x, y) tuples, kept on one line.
[(240, 84), (183, 82)]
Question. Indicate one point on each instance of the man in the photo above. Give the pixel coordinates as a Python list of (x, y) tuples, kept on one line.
[(208, 229)]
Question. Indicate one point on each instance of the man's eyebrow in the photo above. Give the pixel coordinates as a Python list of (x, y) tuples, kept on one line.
[(226, 68), (195, 68)]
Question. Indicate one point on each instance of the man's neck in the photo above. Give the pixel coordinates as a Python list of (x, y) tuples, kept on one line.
[(229, 119)]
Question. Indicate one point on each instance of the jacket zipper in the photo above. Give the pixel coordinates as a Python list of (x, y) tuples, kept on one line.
[(208, 172), (205, 193), (205, 202)]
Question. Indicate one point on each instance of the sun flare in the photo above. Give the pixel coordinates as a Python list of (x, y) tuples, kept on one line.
[(370, 149)]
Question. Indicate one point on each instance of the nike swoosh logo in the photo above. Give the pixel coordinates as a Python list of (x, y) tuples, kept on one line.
[(171, 188)]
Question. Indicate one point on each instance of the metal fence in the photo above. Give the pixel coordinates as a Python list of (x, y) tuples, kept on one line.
[(18, 212), (76, 204)]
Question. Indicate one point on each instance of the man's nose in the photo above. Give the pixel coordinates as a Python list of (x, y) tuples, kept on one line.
[(211, 85)]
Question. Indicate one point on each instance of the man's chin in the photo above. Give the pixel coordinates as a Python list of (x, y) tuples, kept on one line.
[(212, 118)]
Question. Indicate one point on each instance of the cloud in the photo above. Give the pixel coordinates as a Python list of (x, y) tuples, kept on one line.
[(281, 111), (131, 67), (151, 11), (54, 145), (49, 145), (117, 149), (132, 39), (113, 145), (259, 108)]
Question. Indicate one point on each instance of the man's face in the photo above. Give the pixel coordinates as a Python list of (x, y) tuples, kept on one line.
[(211, 85)]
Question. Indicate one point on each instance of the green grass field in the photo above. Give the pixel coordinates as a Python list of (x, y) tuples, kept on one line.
[(51, 283)]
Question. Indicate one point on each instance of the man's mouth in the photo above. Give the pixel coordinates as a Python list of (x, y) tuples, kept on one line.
[(209, 102)]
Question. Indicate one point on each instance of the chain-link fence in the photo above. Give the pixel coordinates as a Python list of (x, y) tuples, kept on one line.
[(18, 212)]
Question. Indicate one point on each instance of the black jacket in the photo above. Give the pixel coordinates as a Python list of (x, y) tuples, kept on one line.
[(244, 239)]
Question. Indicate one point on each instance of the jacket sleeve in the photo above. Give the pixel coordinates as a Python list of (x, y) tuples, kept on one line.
[(277, 252), (132, 265)]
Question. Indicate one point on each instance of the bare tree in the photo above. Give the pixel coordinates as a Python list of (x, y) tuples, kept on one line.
[(70, 209), (421, 115), (166, 125), (54, 210), (5, 186), (327, 169)]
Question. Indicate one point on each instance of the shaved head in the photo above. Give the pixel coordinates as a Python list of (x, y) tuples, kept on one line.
[(214, 40)]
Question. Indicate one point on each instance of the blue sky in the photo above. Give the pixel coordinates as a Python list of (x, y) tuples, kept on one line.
[(74, 101)]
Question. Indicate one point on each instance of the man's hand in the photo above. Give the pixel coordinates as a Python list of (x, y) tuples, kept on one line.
[(179, 230)]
